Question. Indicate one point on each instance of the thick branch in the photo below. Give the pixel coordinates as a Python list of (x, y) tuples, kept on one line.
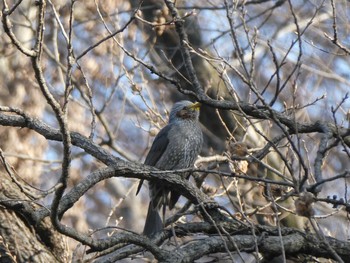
[(239, 239), (51, 133), (295, 243)]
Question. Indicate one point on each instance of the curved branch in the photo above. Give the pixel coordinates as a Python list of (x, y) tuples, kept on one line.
[(8, 30), (50, 133)]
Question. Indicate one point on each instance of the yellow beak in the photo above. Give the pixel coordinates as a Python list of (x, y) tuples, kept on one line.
[(196, 105)]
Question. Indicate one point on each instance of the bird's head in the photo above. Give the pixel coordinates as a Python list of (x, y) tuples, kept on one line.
[(185, 110)]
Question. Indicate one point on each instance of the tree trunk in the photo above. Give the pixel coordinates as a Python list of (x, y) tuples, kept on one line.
[(21, 239)]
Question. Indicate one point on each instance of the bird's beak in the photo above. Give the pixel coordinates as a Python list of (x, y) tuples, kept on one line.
[(196, 105)]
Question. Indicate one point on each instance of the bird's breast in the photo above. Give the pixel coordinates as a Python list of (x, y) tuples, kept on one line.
[(185, 143)]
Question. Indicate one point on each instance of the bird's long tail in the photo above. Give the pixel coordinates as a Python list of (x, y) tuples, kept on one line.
[(153, 223)]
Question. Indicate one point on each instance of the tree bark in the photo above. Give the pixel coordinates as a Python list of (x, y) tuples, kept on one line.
[(21, 240)]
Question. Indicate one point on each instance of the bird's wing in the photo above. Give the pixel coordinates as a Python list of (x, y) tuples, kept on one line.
[(158, 147)]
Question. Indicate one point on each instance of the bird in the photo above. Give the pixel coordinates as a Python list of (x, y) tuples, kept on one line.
[(176, 146)]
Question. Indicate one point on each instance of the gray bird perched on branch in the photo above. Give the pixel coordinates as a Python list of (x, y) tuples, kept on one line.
[(176, 146)]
